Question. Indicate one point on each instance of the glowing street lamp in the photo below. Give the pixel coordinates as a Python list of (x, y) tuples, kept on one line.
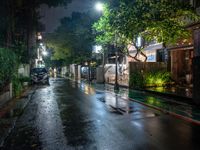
[(99, 6), (97, 48), (44, 53), (39, 36)]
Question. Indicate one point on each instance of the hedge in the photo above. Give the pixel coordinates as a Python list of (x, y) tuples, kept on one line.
[(8, 65)]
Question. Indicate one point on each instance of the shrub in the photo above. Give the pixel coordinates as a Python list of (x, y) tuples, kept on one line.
[(149, 79), (24, 79), (158, 78), (136, 80), (8, 66), (17, 86)]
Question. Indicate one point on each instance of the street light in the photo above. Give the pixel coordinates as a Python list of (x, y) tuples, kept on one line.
[(97, 49), (99, 6), (116, 86), (44, 53)]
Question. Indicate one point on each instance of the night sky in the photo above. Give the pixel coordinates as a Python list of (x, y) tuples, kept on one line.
[(51, 16)]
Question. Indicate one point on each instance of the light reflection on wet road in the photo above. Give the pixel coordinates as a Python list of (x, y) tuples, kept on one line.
[(67, 115)]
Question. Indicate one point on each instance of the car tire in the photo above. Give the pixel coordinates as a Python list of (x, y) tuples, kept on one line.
[(47, 82)]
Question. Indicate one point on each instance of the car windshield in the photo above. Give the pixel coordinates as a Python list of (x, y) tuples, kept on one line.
[(38, 70)]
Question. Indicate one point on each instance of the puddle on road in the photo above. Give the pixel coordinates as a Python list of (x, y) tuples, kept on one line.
[(115, 104), (87, 89), (139, 115), (101, 99), (98, 92)]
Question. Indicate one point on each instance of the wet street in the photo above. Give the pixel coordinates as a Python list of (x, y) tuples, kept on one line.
[(75, 116)]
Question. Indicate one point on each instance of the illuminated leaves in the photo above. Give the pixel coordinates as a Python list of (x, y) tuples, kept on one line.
[(161, 20), (73, 40)]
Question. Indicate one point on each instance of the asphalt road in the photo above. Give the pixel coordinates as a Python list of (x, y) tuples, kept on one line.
[(75, 116)]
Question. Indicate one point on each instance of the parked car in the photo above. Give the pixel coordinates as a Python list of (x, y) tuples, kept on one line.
[(39, 75)]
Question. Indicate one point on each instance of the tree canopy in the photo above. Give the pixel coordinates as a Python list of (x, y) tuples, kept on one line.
[(19, 23), (162, 20), (73, 39)]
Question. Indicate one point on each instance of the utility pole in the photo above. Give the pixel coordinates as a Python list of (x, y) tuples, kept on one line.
[(116, 86)]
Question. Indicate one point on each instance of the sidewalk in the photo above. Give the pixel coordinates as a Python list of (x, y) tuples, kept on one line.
[(178, 109), (10, 111)]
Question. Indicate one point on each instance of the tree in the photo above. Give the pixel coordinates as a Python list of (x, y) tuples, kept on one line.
[(18, 25), (161, 20), (19, 22), (73, 39)]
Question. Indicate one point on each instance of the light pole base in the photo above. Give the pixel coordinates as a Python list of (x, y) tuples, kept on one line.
[(116, 87)]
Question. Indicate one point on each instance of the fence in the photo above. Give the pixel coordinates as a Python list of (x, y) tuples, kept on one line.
[(146, 67)]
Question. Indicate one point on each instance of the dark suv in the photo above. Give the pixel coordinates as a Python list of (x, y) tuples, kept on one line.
[(39, 75)]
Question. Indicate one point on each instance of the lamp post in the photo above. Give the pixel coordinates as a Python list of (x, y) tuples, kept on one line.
[(99, 6), (116, 86)]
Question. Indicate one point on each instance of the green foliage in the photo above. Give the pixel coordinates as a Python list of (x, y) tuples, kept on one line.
[(136, 80), (164, 21), (158, 78), (8, 63), (19, 22), (24, 79), (17, 86), (73, 39), (17, 82), (160, 20), (149, 79), (105, 32)]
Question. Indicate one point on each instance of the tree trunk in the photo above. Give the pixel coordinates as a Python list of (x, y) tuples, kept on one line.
[(31, 39), (10, 23)]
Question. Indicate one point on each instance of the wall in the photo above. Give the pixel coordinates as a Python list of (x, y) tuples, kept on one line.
[(6, 95), (181, 66), (109, 73), (146, 66), (24, 70), (74, 71), (64, 71)]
